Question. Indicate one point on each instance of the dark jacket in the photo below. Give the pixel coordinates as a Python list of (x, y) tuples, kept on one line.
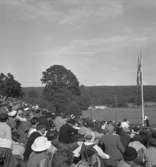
[(30, 141), (113, 147), (67, 134)]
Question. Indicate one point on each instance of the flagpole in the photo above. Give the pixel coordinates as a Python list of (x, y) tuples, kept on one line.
[(142, 94)]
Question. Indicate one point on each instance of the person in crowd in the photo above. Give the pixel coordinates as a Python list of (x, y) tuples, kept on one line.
[(129, 156), (22, 129), (17, 149), (12, 119), (6, 158), (62, 158), (85, 130), (151, 153), (92, 144), (125, 124), (34, 122), (140, 149), (123, 132), (67, 133), (59, 121), (113, 146), (40, 156), (146, 120), (41, 129)]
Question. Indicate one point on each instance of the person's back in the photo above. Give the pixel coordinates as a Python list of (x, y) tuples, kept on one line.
[(113, 146), (5, 142), (30, 141), (124, 137), (38, 160), (5, 131), (62, 158), (129, 157), (151, 156), (66, 134), (40, 155)]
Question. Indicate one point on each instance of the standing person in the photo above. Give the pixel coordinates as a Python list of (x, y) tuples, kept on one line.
[(40, 156), (151, 152), (41, 129), (5, 142), (34, 122), (146, 120), (113, 146), (129, 155), (67, 133), (59, 121), (12, 119)]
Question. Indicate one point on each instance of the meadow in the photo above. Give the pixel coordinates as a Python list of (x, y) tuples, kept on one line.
[(118, 114)]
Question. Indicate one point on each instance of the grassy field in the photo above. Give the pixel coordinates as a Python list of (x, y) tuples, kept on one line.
[(118, 114)]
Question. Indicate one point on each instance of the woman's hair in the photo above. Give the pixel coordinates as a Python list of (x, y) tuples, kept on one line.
[(3, 117), (15, 136), (34, 120), (62, 158), (51, 135)]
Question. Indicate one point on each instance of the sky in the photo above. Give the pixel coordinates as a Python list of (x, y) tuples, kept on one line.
[(98, 40)]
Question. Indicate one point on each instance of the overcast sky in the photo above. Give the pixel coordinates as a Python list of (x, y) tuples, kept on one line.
[(98, 40)]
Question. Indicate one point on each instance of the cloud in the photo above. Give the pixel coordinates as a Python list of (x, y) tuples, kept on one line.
[(64, 11), (30, 9), (94, 51), (89, 11)]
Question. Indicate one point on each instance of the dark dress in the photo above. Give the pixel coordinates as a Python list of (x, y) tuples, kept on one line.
[(30, 141)]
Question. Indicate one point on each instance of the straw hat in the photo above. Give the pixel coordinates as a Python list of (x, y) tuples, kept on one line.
[(12, 113), (40, 144)]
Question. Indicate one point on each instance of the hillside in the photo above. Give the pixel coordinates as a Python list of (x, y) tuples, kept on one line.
[(110, 95)]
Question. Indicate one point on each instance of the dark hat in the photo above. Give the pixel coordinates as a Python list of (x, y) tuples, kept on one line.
[(130, 154), (152, 141), (3, 117), (41, 126), (71, 121)]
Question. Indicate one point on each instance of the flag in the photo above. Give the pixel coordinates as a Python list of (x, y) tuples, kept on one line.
[(139, 71)]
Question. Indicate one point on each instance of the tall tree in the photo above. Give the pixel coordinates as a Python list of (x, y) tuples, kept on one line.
[(58, 77), (9, 86), (61, 85)]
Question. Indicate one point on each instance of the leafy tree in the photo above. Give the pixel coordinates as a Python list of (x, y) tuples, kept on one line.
[(58, 77), (61, 88), (9, 86)]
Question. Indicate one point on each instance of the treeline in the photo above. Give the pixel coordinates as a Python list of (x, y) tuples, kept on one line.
[(120, 96), (113, 96), (61, 92)]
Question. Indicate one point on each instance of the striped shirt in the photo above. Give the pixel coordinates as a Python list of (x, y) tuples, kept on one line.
[(151, 156)]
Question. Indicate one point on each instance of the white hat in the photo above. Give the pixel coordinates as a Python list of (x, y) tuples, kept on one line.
[(124, 125), (40, 144), (12, 113)]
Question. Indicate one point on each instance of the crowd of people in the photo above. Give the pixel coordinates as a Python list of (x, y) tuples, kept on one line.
[(34, 137)]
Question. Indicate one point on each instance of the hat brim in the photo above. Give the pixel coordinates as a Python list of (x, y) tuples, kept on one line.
[(42, 147)]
